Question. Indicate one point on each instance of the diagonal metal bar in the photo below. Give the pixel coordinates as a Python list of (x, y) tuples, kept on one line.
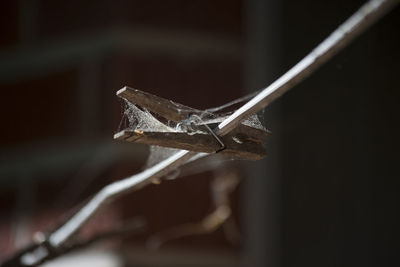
[(351, 28), (364, 17)]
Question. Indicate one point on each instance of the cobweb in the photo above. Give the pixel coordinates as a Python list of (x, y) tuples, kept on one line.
[(137, 118)]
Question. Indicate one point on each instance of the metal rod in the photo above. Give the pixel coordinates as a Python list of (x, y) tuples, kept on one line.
[(369, 13), (352, 27), (355, 25), (136, 181)]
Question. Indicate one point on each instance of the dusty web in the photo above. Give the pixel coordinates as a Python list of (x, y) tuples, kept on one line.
[(136, 118), (255, 121)]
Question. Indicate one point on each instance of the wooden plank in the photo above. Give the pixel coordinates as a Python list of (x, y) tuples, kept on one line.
[(245, 142), (164, 107), (255, 134), (237, 146), (178, 112)]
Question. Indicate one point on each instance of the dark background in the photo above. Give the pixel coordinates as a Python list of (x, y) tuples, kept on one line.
[(325, 196)]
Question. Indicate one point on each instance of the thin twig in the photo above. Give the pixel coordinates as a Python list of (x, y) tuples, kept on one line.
[(351, 28), (124, 229), (222, 186)]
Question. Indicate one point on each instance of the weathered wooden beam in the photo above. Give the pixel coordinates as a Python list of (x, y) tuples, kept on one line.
[(245, 142), (164, 107), (245, 128), (177, 112), (237, 145)]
